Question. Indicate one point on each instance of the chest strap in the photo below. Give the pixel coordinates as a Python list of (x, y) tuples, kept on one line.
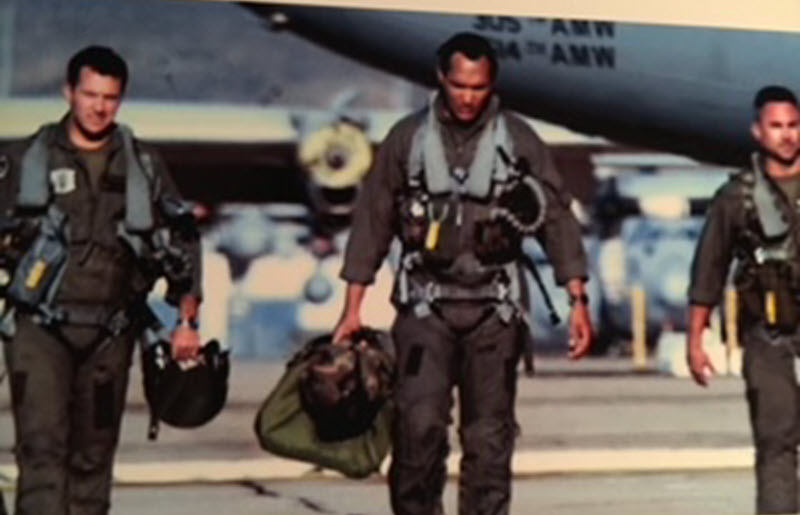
[(767, 204)]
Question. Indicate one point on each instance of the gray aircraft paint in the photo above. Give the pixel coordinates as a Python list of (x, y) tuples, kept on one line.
[(679, 89)]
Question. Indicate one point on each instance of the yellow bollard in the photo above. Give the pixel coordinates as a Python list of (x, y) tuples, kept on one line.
[(639, 327), (731, 321), (732, 344)]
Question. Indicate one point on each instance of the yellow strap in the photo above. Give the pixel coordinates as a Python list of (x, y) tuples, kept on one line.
[(35, 275), (432, 238), (771, 307)]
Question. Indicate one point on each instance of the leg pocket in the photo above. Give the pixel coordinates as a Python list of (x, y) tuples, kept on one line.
[(104, 405), (19, 383), (414, 360)]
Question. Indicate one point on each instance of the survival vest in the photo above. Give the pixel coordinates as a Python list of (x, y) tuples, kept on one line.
[(768, 274), (36, 278), (468, 221)]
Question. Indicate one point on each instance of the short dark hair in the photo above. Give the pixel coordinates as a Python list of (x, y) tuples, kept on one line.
[(472, 46), (101, 59), (769, 94)]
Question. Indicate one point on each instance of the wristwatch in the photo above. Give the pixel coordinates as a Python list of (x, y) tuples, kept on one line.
[(578, 299)]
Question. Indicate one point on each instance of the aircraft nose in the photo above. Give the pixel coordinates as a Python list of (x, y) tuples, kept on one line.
[(318, 289), (249, 235), (337, 157)]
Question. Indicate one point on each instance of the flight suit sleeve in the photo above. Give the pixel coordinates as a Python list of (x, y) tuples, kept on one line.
[(714, 251), (375, 216), (10, 159), (183, 233), (10, 169), (560, 234)]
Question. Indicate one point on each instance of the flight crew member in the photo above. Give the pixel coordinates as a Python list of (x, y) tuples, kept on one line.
[(458, 182), (95, 199), (754, 218)]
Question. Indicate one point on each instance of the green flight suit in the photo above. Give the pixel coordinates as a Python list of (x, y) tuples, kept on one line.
[(773, 397), (68, 382), (466, 344)]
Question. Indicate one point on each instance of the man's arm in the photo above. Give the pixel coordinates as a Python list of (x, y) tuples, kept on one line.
[(699, 363), (183, 234), (559, 236), (187, 291), (709, 272), (374, 224), (15, 237), (10, 158)]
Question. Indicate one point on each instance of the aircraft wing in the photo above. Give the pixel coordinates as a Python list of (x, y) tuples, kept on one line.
[(221, 153), (685, 90), (217, 153)]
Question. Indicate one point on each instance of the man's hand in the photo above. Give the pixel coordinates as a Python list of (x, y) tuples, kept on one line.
[(580, 331), (580, 323), (185, 338), (350, 321), (700, 365), (348, 324), (185, 342)]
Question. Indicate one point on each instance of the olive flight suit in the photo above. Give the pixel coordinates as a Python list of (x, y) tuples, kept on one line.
[(470, 340), (68, 380), (733, 230)]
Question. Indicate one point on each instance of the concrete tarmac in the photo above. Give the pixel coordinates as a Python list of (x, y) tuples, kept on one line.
[(592, 404), (678, 493), (595, 437)]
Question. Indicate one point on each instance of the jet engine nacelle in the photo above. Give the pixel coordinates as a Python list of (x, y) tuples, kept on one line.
[(336, 158)]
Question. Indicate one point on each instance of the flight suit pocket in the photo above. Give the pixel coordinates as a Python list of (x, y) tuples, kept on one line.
[(103, 404), (19, 384), (414, 360), (413, 222), (496, 242)]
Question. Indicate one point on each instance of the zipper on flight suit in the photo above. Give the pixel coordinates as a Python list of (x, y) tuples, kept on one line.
[(93, 198)]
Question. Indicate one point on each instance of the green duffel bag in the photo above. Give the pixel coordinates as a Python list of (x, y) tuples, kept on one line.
[(323, 386)]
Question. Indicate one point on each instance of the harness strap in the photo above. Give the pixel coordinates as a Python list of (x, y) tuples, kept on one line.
[(34, 190), (427, 159), (138, 205)]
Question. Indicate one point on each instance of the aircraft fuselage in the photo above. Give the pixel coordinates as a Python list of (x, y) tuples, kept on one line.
[(679, 89)]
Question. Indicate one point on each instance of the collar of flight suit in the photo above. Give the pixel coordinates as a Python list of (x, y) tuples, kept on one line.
[(61, 137), (122, 161), (770, 203), (460, 130), (469, 167)]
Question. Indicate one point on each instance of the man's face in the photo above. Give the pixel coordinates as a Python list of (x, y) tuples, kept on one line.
[(467, 86), (94, 102), (777, 130)]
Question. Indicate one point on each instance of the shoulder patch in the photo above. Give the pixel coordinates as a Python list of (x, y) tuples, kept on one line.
[(63, 180), (5, 166)]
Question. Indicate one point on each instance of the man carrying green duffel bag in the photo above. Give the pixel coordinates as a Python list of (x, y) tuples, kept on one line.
[(332, 407)]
